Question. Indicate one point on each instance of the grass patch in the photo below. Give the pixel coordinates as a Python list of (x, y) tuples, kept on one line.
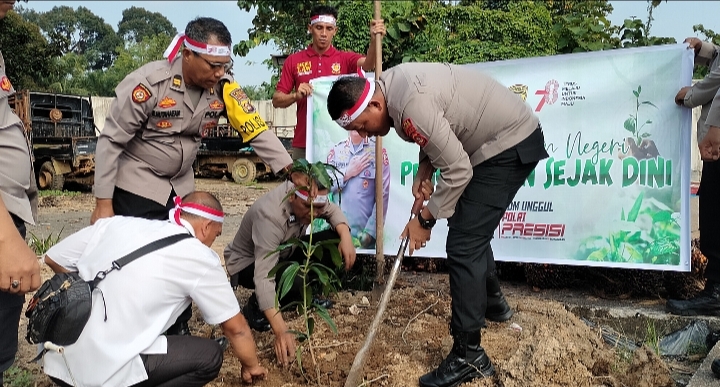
[(41, 244), (18, 377), (58, 193)]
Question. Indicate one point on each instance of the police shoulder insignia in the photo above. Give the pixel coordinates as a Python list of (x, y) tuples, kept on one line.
[(331, 156), (177, 81), (385, 158), (411, 131), (164, 124), (5, 83), (167, 102), (238, 94), (141, 93)]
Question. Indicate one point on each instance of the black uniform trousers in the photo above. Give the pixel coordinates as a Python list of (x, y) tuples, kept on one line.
[(10, 309), (471, 228), (189, 362), (244, 278), (709, 193), (129, 204)]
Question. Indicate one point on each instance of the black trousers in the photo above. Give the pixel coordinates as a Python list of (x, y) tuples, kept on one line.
[(10, 309), (709, 197), (129, 204), (189, 362), (471, 228), (245, 277)]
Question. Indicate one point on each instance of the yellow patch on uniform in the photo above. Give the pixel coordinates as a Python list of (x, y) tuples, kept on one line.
[(365, 184), (411, 131), (141, 93), (164, 124), (167, 102), (335, 68), (177, 81), (331, 156), (217, 105), (385, 158), (5, 84)]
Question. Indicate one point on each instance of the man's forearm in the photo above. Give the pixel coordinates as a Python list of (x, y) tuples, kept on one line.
[(283, 100), (240, 337), (369, 64)]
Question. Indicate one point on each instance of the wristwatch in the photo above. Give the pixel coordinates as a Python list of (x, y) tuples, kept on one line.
[(425, 223)]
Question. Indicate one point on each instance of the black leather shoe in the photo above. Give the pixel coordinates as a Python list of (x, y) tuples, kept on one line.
[(223, 341), (180, 328), (706, 303), (498, 309), (254, 316), (715, 367), (466, 361), (325, 303)]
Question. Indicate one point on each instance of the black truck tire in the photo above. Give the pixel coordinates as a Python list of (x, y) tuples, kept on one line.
[(243, 171), (48, 178)]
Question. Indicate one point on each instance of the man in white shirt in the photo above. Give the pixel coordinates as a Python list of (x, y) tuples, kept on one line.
[(122, 344)]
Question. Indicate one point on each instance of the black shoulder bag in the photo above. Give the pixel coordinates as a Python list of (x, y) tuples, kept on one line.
[(61, 307)]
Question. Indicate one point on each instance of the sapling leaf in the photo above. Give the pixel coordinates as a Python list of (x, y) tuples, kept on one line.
[(288, 278), (635, 210), (323, 313)]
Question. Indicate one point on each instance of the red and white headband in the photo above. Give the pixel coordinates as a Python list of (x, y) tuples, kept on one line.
[(199, 47), (195, 209), (351, 114), (319, 199), (330, 19)]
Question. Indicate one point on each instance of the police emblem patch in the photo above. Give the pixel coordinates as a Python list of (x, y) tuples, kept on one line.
[(238, 94), (141, 93), (5, 84), (164, 124), (247, 107), (335, 68), (207, 128), (217, 105), (410, 131), (167, 102)]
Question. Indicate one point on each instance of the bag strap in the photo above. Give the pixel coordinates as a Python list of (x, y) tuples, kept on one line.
[(150, 247)]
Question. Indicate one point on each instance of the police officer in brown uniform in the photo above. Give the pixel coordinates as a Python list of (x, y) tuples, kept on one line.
[(152, 133), (701, 93), (19, 268), (486, 141)]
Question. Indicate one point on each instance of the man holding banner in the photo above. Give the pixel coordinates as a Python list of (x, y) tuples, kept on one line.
[(701, 94), (486, 141), (318, 60)]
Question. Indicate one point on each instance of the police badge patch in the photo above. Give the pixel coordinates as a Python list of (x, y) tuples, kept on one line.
[(335, 68), (141, 93), (5, 84), (167, 102), (410, 131), (164, 124)]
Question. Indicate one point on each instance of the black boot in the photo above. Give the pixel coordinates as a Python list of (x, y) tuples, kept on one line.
[(706, 303), (715, 367), (498, 309), (254, 316), (466, 361)]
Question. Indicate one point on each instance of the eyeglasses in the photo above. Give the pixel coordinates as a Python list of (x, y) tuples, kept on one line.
[(226, 66)]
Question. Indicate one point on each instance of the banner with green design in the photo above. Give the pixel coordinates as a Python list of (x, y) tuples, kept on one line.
[(615, 190)]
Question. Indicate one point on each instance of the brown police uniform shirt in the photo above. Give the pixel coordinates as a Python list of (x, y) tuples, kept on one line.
[(153, 130), (17, 178), (459, 117), (703, 91), (268, 224)]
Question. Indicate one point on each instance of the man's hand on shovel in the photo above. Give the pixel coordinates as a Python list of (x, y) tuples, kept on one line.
[(422, 189)]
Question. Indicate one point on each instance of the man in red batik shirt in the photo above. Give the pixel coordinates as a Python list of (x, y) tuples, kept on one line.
[(318, 60)]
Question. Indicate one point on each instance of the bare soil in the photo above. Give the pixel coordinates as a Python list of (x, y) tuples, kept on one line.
[(542, 345)]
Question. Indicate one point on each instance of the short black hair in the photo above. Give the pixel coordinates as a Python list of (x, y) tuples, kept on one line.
[(324, 10), (343, 95), (203, 28)]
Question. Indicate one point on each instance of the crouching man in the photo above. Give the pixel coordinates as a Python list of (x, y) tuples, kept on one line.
[(270, 222), (122, 343)]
